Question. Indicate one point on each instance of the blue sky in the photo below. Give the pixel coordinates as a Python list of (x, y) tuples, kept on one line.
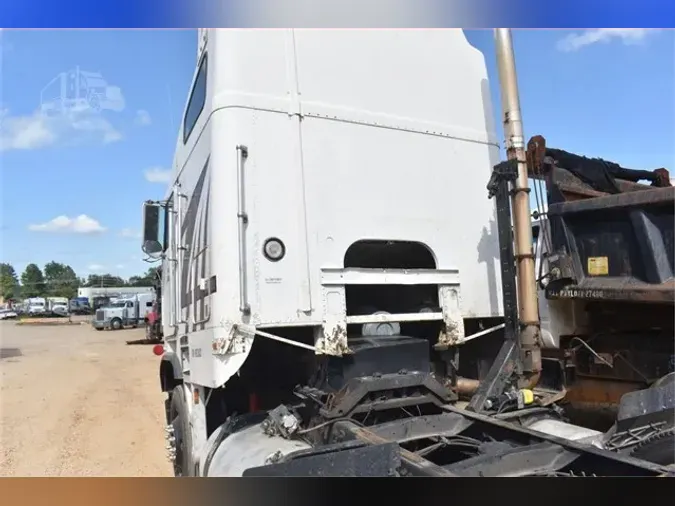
[(72, 186)]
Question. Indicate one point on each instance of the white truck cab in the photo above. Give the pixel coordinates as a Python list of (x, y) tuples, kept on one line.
[(36, 305), (58, 306), (327, 186), (327, 246), (124, 311)]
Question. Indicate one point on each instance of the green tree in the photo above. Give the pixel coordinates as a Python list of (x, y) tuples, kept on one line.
[(9, 283), (61, 280), (33, 282), (104, 280), (147, 279)]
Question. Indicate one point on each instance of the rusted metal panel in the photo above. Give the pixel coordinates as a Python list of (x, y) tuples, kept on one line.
[(542, 159), (590, 393), (605, 202), (612, 239)]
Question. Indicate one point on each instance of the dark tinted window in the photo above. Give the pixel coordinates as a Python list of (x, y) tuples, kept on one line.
[(535, 236), (164, 230), (197, 100)]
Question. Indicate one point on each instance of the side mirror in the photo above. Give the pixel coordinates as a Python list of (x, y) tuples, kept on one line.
[(151, 243)]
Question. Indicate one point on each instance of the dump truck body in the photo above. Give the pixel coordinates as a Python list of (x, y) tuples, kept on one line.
[(607, 273)]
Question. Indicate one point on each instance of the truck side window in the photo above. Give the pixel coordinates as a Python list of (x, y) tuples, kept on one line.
[(535, 236), (130, 304), (196, 101)]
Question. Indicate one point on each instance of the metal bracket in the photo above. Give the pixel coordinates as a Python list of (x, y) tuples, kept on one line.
[(281, 422), (349, 400), (498, 378), (508, 360), (503, 173)]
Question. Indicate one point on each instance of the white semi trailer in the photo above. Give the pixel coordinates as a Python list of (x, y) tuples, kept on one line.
[(327, 245)]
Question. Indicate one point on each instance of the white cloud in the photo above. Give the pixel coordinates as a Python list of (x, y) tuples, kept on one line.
[(25, 132), (39, 130), (119, 266), (129, 233), (81, 224), (576, 41), (96, 125), (157, 175), (95, 268), (143, 118)]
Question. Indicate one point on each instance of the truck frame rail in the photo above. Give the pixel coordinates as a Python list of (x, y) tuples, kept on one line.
[(440, 446)]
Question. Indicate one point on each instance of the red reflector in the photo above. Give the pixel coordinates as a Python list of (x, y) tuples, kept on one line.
[(252, 403), (158, 349)]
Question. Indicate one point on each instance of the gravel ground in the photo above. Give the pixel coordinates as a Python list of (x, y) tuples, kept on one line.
[(77, 402)]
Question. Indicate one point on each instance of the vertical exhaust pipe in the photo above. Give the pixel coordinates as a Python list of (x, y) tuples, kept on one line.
[(520, 204)]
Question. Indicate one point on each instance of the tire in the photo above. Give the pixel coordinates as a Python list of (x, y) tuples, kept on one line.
[(94, 103), (178, 416), (116, 324), (99, 328)]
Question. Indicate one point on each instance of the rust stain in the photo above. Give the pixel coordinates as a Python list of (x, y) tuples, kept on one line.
[(450, 335), (368, 437), (536, 151), (334, 342), (466, 387), (599, 393)]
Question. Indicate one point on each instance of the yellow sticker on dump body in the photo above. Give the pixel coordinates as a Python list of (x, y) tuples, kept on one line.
[(598, 266)]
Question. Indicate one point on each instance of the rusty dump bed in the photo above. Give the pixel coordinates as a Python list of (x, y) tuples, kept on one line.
[(611, 236)]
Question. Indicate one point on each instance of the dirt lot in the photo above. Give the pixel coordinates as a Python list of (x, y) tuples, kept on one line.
[(77, 402)]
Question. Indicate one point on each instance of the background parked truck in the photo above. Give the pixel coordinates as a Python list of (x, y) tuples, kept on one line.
[(128, 311)]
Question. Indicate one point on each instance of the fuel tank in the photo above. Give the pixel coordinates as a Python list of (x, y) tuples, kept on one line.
[(243, 449)]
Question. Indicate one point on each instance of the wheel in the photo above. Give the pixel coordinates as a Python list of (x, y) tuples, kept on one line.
[(178, 416), (99, 328), (94, 103), (116, 324)]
